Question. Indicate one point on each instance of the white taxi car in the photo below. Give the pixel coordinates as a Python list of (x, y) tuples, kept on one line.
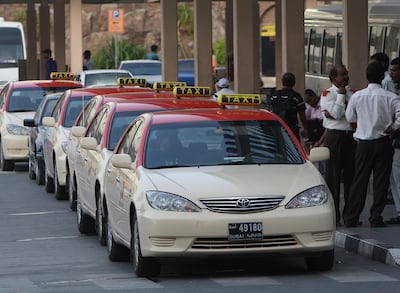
[(18, 101), (226, 182)]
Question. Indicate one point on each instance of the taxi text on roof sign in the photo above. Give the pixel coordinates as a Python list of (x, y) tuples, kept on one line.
[(192, 91), (167, 86), (132, 81), (239, 99), (61, 75)]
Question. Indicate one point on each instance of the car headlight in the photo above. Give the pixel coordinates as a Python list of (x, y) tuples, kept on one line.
[(64, 146), (170, 202), (17, 130), (314, 196)]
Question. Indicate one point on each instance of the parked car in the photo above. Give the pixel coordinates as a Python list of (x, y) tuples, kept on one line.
[(216, 182), (141, 68), (36, 137), (18, 101), (100, 77)]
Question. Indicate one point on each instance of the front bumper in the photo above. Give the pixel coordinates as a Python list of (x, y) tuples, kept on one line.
[(15, 147), (296, 231)]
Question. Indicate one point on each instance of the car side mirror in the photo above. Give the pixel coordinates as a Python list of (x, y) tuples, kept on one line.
[(77, 131), (123, 161), (319, 154), (88, 143), (29, 122), (49, 121)]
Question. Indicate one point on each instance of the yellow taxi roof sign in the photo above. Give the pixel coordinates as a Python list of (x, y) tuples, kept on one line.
[(61, 76), (167, 85), (239, 99), (192, 91), (131, 81)]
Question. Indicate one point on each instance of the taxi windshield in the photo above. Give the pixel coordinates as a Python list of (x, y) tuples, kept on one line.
[(212, 143)]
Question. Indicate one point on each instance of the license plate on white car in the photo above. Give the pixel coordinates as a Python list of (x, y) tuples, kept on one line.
[(245, 231)]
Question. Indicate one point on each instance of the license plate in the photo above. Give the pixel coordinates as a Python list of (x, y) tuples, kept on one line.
[(245, 231)]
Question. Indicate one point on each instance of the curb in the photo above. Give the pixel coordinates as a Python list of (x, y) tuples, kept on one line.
[(370, 248)]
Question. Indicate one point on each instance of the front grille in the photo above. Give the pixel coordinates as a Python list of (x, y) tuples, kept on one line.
[(224, 243), (242, 204)]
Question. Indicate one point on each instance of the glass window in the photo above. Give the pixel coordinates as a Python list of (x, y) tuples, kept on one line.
[(377, 35), (329, 50), (125, 147), (74, 107), (119, 123), (392, 42), (315, 50), (92, 130), (220, 143)]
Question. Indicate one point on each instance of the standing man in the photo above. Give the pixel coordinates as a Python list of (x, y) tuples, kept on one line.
[(287, 103), (51, 64), (87, 61), (152, 55), (377, 114), (339, 135), (393, 86)]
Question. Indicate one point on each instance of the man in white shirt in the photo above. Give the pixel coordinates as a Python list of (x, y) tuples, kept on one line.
[(339, 135), (373, 109)]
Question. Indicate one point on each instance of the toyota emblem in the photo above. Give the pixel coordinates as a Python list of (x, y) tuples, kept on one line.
[(243, 203)]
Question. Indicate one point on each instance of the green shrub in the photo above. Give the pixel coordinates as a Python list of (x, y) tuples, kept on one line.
[(220, 52), (104, 58)]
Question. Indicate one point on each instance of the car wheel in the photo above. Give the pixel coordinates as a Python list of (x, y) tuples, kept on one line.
[(323, 262), (115, 251), (85, 222), (6, 165), (58, 189), (72, 193), (100, 225), (143, 266), (31, 170), (39, 171), (48, 183)]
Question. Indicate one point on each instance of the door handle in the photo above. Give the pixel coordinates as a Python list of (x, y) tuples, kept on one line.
[(117, 179)]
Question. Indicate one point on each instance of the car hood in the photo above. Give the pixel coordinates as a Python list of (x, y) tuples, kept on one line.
[(17, 118), (245, 180)]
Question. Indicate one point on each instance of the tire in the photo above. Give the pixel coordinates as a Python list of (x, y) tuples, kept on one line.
[(5, 165), (48, 183), (31, 170), (72, 193), (59, 190), (115, 251), (143, 266), (323, 262), (85, 222), (100, 223), (40, 180)]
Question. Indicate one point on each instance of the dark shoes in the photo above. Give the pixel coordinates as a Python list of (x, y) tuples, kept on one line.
[(394, 221)]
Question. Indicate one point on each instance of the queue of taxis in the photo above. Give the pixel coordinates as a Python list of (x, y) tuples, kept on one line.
[(58, 126), (18, 101), (138, 91), (99, 141), (216, 182)]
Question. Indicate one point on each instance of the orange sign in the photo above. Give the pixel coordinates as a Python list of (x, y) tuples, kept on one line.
[(116, 20)]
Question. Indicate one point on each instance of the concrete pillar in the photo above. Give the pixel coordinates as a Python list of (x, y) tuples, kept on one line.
[(278, 43), (203, 41), (355, 41), (59, 34), (246, 45), (76, 35), (32, 70), (229, 38), (293, 40), (169, 40), (44, 14)]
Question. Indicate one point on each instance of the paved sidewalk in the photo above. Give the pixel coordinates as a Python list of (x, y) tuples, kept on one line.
[(381, 244)]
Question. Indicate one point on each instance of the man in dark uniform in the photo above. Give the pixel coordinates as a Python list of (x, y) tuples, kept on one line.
[(51, 65), (287, 103)]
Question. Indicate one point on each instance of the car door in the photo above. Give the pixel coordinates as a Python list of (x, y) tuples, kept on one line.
[(122, 183), (84, 165)]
